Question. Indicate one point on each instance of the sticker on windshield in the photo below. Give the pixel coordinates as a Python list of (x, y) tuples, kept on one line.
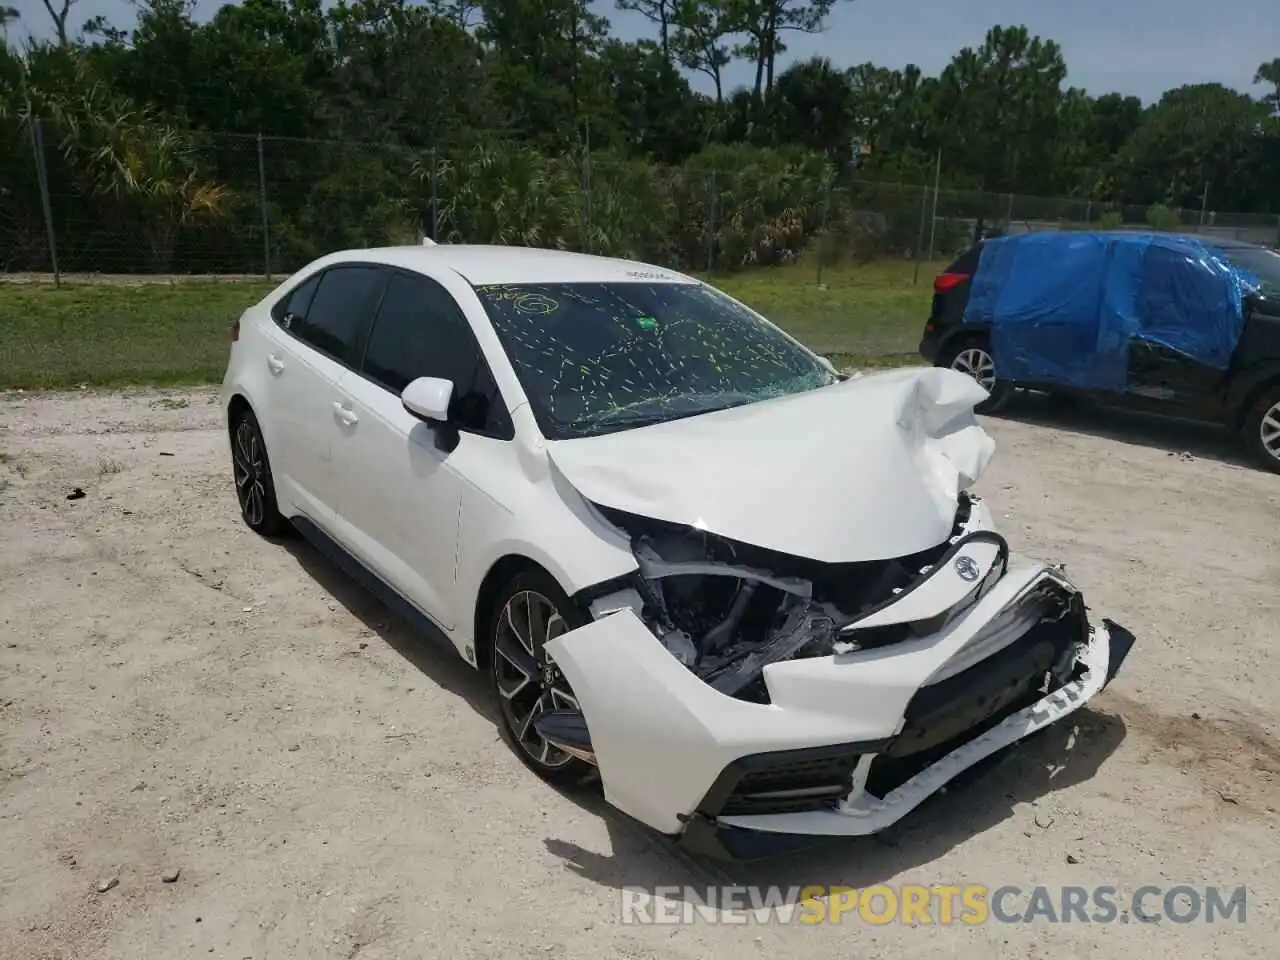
[(647, 323), (532, 304), (536, 303)]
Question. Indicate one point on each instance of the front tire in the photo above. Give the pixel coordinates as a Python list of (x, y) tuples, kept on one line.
[(531, 610), (972, 357), (1262, 429), (255, 489)]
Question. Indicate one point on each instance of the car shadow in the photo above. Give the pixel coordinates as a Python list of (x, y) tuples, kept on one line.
[(423, 646), (1178, 438), (1056, 758)]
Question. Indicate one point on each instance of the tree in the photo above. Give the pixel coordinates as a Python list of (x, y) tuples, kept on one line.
[(1196, 134), (997, 107), (654, 109), (701, 39), (814, 104), (764, 22), (59, 15), (1269, 73), (525, 119), (661, 13), (544, 60)]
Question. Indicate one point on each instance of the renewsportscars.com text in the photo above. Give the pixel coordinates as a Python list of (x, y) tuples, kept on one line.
[(967, 904)]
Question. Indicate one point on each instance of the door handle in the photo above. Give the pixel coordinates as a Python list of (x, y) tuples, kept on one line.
[(344, 413), (274, 363)]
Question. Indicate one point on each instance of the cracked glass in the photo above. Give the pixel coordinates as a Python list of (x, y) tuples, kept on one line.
[(595, 358)]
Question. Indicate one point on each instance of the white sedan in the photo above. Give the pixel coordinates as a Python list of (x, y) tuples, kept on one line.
[(750, 594)]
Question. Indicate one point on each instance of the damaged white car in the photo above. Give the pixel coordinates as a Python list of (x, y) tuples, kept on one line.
[(752, 595)]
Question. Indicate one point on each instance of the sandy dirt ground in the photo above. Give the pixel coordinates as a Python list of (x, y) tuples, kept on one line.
[(178, 694)]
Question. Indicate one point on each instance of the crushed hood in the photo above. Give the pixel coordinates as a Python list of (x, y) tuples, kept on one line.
[(867, 469)]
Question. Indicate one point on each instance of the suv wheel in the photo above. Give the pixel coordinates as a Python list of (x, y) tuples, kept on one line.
[(973, 358), (1262, 428)]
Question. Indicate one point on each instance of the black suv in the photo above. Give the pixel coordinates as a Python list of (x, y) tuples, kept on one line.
[(1244, 398)]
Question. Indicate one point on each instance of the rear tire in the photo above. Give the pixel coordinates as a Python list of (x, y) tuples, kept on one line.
[(1262, 428), (255, 488), (528, 612), (972, 357)]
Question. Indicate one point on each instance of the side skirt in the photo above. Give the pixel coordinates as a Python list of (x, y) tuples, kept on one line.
[(387, 595)]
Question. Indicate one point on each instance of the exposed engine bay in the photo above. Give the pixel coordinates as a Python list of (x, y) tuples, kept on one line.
[(726, 609)]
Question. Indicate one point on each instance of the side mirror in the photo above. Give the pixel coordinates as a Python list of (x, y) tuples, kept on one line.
[(428, 398)]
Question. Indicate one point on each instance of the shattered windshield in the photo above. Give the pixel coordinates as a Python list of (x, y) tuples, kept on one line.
[(598, 357)]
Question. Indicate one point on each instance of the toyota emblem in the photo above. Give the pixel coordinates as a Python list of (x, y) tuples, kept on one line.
[(967, 568)]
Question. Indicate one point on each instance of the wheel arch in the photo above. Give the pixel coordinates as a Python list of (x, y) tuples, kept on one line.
[(1249, 393), (956, 338), (499, 574), (237, 404)]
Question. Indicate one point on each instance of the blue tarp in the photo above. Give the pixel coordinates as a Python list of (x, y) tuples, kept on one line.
[(1064, 307)]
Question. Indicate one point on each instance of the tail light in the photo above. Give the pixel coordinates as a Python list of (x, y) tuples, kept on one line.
[(948, 281), (234, 333)]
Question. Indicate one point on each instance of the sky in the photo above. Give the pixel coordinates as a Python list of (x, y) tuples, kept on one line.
[(1139, 47)]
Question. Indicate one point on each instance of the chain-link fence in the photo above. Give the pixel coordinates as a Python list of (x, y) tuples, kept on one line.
[(216, 204), (851, 260)]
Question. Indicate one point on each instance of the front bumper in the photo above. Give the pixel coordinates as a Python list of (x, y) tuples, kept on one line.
[(849, 743)]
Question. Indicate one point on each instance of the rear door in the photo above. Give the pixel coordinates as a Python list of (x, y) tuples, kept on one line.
[(313, 344), (400, 480), (1171, 305)]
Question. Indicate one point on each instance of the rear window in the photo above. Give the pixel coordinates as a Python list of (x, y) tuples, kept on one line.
[(967, 262)]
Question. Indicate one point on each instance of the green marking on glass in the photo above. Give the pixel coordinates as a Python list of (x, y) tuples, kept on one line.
[(646, 323)]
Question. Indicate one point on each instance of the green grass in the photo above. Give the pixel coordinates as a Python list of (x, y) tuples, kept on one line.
[(104, 334), (113, 334), (862, 311)]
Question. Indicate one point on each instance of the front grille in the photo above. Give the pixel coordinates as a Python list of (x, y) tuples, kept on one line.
[(785, 781), (945, 715), (790, 787)]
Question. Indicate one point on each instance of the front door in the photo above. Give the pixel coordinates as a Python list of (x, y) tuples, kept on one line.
[(400, 480)]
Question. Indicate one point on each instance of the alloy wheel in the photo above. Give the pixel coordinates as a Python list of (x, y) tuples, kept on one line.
[(528, 682), (250, 470), (1269, 430), (978, 364)]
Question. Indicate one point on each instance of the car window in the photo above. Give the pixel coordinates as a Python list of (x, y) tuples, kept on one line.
[(967, 262), (420, 331), (594, 358), (340, 309), (1260, 266), (293, 306)]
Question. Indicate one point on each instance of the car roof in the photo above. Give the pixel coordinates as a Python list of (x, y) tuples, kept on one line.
[(1207, 239), (481, 264)]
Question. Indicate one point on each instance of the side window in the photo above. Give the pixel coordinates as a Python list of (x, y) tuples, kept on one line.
[(340, 309), (294, 306), (421, 332)]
